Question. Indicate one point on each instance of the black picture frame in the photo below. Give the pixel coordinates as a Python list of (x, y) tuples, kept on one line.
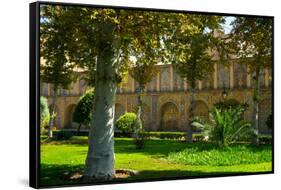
[(34, 92)]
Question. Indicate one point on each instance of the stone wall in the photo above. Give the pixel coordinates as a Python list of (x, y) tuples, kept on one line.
[(166, 98)]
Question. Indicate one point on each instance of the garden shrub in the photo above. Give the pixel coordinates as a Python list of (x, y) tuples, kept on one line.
[(269, 122), (44, 112), (63, 135), (83, 111), (164, 135), (226, 126), (125, 123), (265, 139), (198, 137)]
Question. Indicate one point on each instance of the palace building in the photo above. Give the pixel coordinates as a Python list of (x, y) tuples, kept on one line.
[(166, 98)]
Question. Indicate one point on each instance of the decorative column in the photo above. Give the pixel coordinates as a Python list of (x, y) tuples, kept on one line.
[(133, 84), (200, 85), (248, 77), (171, 79), (158, 82), (231, 75), (215, 76)]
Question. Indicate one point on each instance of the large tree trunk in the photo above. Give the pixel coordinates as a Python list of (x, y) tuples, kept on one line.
[(53, 113), (191, 115), (255, 116), (100, 158)]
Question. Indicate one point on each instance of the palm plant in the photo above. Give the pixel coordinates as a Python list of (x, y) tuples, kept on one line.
[(226, 126)]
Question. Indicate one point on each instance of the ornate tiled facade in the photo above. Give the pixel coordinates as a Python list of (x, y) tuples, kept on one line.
[(166, 98)]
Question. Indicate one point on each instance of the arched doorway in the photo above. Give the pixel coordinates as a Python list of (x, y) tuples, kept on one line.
[(169, 117), (265, 108), (68, 117), (201, 111)]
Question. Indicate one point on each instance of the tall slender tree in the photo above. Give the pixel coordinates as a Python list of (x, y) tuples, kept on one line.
[(143, 70), (252, 37), (190, 47), (56, 68)]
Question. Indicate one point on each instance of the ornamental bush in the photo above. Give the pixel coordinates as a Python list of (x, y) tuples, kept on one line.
[(226, 126), (83, 111), (44, 112), (125, 123)]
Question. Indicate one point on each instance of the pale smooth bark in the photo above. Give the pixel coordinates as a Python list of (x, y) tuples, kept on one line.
[(53, 113), (255, 116), (100, 158), (139, 123), (191, 115)]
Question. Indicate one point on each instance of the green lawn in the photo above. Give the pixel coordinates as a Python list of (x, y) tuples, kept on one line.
[(159, 159)]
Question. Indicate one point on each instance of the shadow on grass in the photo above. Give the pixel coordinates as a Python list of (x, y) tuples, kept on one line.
[(53, 175)]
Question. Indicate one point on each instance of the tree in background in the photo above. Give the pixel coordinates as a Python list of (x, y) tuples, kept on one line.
[(143, 70), (83, 111), (190, 47), (56, 68), (252, 39), (44, 112)]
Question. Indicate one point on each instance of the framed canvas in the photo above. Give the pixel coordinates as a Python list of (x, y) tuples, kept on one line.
[(122, 94)]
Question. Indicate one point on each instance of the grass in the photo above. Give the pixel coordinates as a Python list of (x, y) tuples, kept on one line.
[(234, 155), (159, 159)]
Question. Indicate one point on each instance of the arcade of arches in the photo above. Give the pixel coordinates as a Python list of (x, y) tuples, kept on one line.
[(166, 100)]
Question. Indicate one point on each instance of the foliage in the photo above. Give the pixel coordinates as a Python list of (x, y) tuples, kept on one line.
[(83, 111), (196, 119), (211, 156), (56, 68), (44, 112), (230, 103), (265, 139), (226, 126), (269, 122), (88, 32), (164, 135), (126, 122), (252, 37), (64, 135), (139, 142), (190, 47), (252, 40)]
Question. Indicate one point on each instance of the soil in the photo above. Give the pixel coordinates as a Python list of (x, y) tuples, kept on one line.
[(119, 174)]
